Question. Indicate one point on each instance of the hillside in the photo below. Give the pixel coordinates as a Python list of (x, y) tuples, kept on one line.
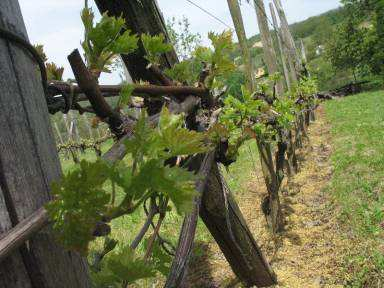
[(314, 31)]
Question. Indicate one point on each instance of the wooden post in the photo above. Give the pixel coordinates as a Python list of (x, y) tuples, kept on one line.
[(281, 47), (67, 124), (89, 128), (234, 8), (224, 220), (291, 154), (266, 39), (264, 152), (287, 38), (28, 164), (303, 52), (273, 207), (142, 16), (58, 133)]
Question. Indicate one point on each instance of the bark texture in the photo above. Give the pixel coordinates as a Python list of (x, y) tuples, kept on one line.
[(28, 164), (224, 220)]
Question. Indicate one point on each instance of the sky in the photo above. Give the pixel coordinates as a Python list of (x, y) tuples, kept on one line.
[(56, 23)]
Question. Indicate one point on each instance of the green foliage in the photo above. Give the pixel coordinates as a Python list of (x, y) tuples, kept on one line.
[(241, 119), (187, 71), (125, 95), (218, 59), (346, 49), (155, 46), (304, 92), (54, 72), (182, 39), (286, 110), (223, 45), (357, 42), (40, 50), (161, 260), (80, 201), (123, 266), (103, 41)]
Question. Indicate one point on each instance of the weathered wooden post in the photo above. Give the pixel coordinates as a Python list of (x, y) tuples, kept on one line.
[(287, 36), (281, 47), (236, 241), (266, 39), (28, 164), (291, 154), (234, 8), (265, 150)]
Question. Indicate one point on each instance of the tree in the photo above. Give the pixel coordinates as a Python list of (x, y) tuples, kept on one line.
[(357, 43), (181, 37), (346, 49)]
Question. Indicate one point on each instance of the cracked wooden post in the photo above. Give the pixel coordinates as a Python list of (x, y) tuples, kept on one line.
[(234, 8), (288, 39), (264, 148), (279, 37), (28, 164), (266, 38), (226, 223)]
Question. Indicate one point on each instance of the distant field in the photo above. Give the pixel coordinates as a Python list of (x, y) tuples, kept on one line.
[(358, 180)]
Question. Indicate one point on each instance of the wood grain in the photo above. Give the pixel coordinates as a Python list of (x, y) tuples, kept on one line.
[(28, 164)]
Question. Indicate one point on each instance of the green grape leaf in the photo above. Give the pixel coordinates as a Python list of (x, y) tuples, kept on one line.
[(138, 145), (87, 17), (40, 50), (175, 182), (125, 44), (223, 45), (180, 188), (155, 46), (177, 141), (186, 71), (203, 54), (79, 203), (125, 265), (54, 72), (106, 39), (121, 175), (125, 95)]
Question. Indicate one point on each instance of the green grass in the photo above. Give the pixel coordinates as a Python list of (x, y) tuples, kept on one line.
[(240, 172), (358, 179)]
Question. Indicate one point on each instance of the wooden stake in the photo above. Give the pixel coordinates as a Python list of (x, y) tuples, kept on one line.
[(288, 39), (266, 39), (234, 8), (29, 163), (281, 47)]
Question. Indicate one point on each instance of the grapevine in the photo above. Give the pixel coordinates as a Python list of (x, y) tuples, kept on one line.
[(160, 148)]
